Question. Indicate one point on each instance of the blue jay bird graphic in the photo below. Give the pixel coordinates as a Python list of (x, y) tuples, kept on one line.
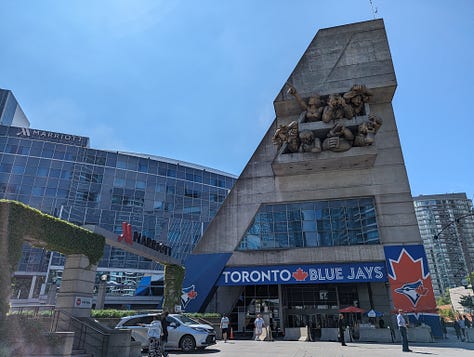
[(413, 291), (188, 294)]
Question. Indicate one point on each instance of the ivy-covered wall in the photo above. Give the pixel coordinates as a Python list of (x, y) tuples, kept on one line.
[(174, 276), (19, 223)]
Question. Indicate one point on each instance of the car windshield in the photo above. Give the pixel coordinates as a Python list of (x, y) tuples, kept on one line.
[(186, 320)]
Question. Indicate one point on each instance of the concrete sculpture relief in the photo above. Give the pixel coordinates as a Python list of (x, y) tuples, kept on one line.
[(366, 131), (353, 126), (314, 108), (338, 139), (287, 134), (357, 97)]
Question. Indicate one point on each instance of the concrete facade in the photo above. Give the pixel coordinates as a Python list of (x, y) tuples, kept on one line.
[(336, 59)]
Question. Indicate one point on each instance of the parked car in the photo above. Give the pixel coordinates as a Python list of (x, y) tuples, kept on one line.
[(183, 332)]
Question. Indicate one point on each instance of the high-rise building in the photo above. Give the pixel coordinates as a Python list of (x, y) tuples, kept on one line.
[(446, 223), (164, 199), (10, 111)]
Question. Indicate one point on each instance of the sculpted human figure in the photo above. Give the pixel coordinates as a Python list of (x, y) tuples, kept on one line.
[(280, 136), (308, 142), (287, 134), (357, 97), (314, 108), (366, 131), (337, 108), (293, 137), (338, 139)]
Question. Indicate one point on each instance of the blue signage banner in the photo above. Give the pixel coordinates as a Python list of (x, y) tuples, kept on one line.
[(304, 274), (202, 271)]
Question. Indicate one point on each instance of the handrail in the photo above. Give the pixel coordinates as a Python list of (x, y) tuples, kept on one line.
[(81, 331)]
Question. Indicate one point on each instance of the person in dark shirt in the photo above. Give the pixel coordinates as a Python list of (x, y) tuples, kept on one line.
[(164, 336), (341, 326)]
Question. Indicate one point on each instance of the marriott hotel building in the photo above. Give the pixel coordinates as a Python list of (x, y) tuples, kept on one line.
[(321, 218), (60, 174)]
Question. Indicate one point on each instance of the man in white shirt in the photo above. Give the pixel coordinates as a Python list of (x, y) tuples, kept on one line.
[(259, 325), (155, 331), (224, 326), (402, 325)]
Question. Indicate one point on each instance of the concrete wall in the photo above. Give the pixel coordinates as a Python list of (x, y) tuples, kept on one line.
[(336, 59)]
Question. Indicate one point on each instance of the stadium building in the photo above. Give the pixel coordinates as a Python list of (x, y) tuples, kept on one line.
[(321, 218)]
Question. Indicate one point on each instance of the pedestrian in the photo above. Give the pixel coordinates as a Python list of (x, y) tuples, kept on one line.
[(259, 325), (402, 326), (457, 329), (462, 326), (341, 326), (164, 335), (224, 326), (467, 322), (155, 331), (443, 328)]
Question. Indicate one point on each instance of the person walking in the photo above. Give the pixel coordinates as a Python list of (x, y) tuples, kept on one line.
[(224, 326), (462, 326), (341, 326), (155, 331), (402, 326), (457, 329), (164, 335), (259, 325)]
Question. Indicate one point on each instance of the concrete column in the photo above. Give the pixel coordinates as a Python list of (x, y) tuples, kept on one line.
[(99, 305), (32, 287), (76, 292)]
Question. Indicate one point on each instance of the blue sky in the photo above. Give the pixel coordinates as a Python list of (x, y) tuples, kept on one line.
[(196, 80)]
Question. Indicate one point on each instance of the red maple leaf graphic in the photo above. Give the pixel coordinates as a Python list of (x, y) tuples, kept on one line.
[(300, 274), (408, 270), (192, 294), (421, 290)]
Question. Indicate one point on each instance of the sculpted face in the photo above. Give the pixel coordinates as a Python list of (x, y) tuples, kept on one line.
[(357, 100), (316, 100)]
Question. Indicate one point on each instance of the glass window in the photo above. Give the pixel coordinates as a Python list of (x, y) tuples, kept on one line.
[(18, 169), (119, 182), (312, 224)]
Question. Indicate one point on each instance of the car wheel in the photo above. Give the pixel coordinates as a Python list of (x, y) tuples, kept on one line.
[(187, 343)]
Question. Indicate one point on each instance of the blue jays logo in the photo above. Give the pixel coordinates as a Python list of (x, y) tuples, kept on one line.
[(188, 294), (413, 291)]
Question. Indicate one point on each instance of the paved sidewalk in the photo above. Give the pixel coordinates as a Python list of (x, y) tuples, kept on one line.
[(248, 348)]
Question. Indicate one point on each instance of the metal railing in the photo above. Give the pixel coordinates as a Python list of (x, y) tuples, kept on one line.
[(86, 336)]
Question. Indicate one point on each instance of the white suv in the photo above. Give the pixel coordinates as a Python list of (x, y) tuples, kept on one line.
[(183, 333)]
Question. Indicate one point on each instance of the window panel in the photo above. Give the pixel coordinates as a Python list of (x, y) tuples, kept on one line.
[(313, 224)]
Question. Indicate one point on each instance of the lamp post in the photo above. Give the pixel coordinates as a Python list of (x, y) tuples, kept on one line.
[(99, 305)]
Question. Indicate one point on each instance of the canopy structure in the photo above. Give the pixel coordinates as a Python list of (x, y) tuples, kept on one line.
[(353, 309), (373, 313)]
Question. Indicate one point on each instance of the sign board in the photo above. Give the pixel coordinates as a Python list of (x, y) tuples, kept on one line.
[(83, 302), (304, 274)]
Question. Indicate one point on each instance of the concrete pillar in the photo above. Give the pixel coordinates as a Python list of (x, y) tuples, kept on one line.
[(32, 287), (76, 292), (99, 305)]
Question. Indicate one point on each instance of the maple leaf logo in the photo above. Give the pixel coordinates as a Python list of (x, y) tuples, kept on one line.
[(409, 280), (300, 275)]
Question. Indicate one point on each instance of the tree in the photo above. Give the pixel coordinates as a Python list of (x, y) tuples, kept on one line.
[(444, 299), (467, 302)]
